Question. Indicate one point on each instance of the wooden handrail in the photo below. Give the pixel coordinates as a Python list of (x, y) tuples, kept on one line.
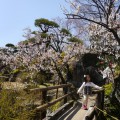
[(45, 103), (97, 91), (51, 87), (98, 103), (90, 114), (52, 102)]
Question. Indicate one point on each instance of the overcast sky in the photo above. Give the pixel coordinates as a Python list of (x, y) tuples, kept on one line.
[(15, 15)]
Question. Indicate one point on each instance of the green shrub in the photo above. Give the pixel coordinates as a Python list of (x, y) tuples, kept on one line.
[(23, 77), (39, 78), (117, 70), (108, 89), (110, 103), (13, 106), (15, 71)]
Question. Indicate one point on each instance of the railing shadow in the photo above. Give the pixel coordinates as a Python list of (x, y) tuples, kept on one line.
[(71, 113)]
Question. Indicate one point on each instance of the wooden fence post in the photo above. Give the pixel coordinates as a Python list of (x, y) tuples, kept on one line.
[(99, 104), (43, 101), (65, 90), (57, 93)]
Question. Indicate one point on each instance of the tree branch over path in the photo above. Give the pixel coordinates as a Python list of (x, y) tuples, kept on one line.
[(105, 13)]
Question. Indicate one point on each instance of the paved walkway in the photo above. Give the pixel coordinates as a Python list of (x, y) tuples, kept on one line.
[(76, 113)]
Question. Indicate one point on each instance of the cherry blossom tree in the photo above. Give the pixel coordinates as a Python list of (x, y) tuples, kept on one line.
[(103, 41), (105, 13), (51, 51)]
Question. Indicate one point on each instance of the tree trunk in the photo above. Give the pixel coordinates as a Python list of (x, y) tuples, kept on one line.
[(69, 74)]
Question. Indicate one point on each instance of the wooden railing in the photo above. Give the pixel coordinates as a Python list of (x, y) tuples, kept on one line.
[(46, 103), (94, 111)]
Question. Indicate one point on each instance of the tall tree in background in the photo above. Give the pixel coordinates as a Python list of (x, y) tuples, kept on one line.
[(50, 49), (105, 13)]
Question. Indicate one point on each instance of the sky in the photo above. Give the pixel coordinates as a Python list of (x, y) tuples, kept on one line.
[(16, 15)]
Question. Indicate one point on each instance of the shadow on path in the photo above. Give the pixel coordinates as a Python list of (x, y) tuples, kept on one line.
[(71, 113)]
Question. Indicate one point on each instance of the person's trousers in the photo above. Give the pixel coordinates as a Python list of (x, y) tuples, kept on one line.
[(85, 99)]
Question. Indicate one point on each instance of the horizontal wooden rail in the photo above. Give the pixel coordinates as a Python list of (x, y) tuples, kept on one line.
[(97, 91), (45, 102), (3, 77), (51, 87), (52, 102), (60, 111)]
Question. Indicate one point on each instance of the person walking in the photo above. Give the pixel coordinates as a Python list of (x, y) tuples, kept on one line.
[(86, 88)]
